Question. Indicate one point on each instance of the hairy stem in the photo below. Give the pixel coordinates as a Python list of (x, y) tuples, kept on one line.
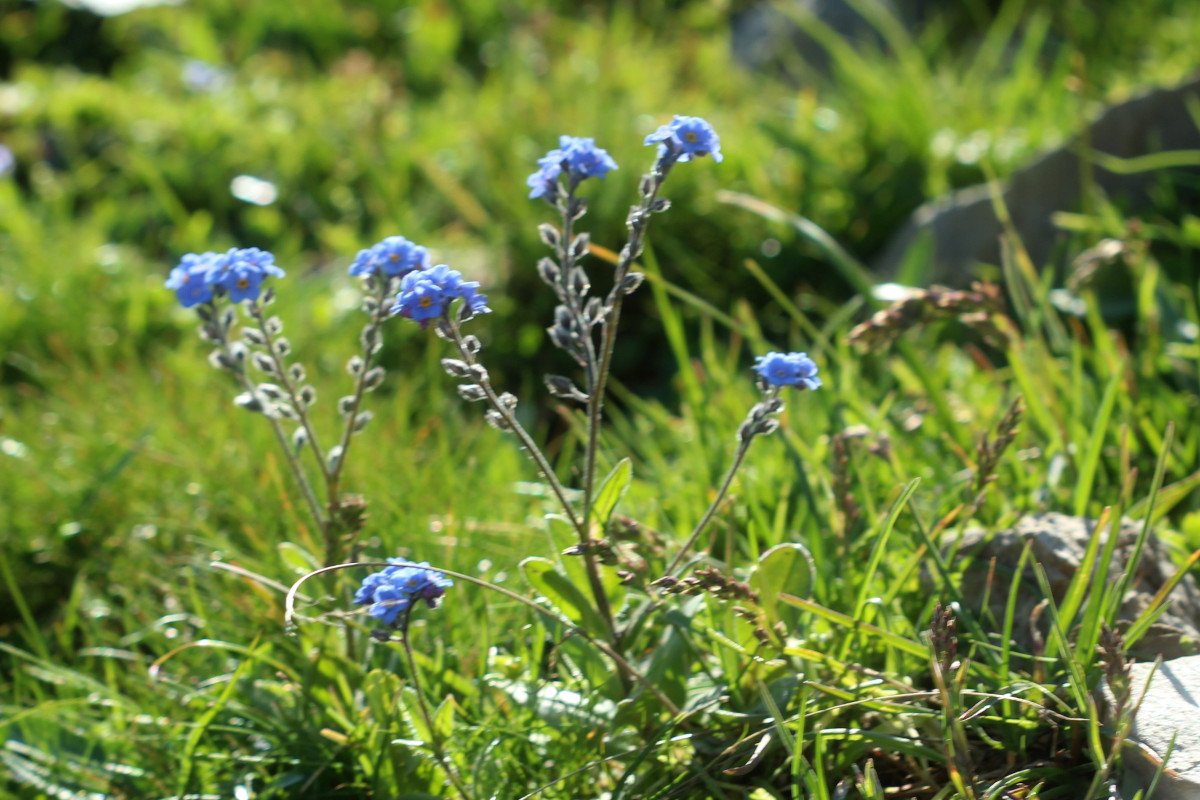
[(639, 219), (289, 387), (566, 260), (333, 475), (310, 497), (548, 474), (649, 608), (435, 741), (738, 458)]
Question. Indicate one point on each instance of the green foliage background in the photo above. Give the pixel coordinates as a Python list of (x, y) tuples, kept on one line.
[(125, 473)]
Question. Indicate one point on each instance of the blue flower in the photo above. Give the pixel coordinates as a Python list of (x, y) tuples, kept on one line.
[(191, 279), (578, 156), (583, 159), (544, 182), (391, 592), (427, 294), (788, 369), (395, 257), (241, 272), (685, 138)]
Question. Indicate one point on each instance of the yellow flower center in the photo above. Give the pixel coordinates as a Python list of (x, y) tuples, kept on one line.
[(426, 301), (691, 136), (243, 283)]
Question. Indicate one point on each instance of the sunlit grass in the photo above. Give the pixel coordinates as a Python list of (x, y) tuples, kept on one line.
[(149, 527)]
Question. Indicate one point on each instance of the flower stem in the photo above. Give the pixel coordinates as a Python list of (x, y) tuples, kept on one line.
[(435, 741), (548, 474), (639, 219), (333, 475), (572, 301), (288, 386), (738, 458), (310, 497)]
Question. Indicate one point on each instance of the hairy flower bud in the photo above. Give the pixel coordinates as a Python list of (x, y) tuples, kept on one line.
[(549, 235), (263, 363), (373, 379), (579, 247), (471, 392), (548, 271), (563, 387), (456, 368), (248, 401), (496, 420), (631, 282)]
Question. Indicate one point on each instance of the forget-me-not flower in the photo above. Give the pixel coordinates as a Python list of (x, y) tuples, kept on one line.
[(788, 369), (394, 257), (427, 294), (392, 591), (243, 270), (578, 156), (190, 279), (238, 273), (685, 138)]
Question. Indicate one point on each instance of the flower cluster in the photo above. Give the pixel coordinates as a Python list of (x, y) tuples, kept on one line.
[(238, 273), (578, 156), (685, 138), (788, 369), (391, 592), (426, 295), (394, 257)]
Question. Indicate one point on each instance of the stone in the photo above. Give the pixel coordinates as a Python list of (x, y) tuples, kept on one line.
[(962, 229), (1170, 711), (1059, 542), (766, 37)]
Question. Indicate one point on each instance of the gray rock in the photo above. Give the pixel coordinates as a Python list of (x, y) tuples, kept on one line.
[(962, 228), (778, 36), (1170, 711), (1059, 542)]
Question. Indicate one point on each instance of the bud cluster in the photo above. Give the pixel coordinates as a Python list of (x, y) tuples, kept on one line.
[(763, 417), (708, 580)]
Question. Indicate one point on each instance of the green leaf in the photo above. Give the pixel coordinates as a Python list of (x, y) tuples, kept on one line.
[(559, 706), (786, 567), (611, 492), (848, 622), (670, 662), (443, 719), (416, 720), (380, 689), (297, 558), (554, 586)]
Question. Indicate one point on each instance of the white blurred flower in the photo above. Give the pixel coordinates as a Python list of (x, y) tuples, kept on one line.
[(250, 189)]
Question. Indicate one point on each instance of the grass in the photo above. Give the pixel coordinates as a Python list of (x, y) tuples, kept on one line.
[(150, 527)]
